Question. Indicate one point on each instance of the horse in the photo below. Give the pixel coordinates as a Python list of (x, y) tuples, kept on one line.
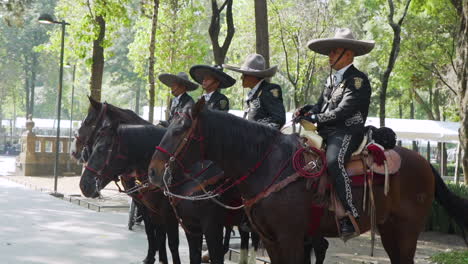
[(110, 158), (121, 149), (278, 202), (98, 114)]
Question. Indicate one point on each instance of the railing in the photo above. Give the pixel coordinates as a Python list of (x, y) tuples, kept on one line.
[(235, 251)]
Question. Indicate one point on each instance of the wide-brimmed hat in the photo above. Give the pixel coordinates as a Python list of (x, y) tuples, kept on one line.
[(343, 39), (254, 65), (198, 72), (182, 78)]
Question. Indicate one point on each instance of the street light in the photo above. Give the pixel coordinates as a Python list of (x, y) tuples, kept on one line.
[(48, 19)]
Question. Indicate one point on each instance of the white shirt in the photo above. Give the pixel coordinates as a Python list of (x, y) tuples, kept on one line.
[(176, 100), (338, 75), (208, 96), (254, 90)]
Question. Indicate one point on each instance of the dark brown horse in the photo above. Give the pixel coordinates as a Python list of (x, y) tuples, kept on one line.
[(257, 157), (112, 156), (119, 150), (98, 113)]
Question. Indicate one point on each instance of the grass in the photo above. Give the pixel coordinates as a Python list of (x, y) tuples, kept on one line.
[(454, 257)]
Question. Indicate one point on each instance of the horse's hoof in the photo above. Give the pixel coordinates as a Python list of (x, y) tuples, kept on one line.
[(148, 261), (205, 258)]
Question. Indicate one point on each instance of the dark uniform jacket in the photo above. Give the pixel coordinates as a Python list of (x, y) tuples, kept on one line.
[(184, 101), (218, 101), (344, 107), (265, 106)]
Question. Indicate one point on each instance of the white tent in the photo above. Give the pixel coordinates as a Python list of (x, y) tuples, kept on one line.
[(426, 130)]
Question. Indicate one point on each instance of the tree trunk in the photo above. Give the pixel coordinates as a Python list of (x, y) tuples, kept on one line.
[(137, 99), (415, 143), (462, 78), (152, 61), (261, 30), (393, 56), (26, 91), (219, 52), (33, 85), (97, 67)]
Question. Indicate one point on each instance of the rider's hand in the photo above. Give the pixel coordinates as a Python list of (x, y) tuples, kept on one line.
[(311, 118), (302, 111)]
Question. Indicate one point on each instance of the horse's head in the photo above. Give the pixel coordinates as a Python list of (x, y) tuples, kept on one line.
[(105, 162), (180, 147), (79, 151)]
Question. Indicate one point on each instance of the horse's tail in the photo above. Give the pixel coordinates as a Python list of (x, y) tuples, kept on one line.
[(456, 207)]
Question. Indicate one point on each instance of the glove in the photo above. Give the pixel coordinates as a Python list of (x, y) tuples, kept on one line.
[(301, 111), (311, 118)]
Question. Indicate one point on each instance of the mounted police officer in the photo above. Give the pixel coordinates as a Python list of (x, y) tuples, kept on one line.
[(341, 112), (264, 100), (212, 79), (180, 85)]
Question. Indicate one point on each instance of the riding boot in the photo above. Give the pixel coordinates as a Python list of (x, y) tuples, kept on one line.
[(347, 228)]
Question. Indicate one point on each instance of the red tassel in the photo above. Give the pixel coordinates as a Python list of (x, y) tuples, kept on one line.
[(377, 152)]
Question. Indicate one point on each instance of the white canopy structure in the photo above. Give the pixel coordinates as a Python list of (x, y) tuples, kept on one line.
[(426, 130)]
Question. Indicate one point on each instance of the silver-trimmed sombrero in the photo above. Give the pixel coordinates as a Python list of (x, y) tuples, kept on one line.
[(198, 72), (343, 38), (254, 65), (182, 78)]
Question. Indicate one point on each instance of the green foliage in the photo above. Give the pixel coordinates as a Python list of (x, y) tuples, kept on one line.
[(454, 257)]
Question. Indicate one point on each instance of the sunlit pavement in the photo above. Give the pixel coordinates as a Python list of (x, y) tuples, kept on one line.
[(38, 228)]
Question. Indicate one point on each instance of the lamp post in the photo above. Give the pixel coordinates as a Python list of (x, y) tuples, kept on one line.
[(48, 19)]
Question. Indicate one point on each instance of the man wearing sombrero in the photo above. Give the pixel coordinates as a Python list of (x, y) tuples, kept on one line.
[(212, 79), (265, 100), (179, 85), (341, 112)]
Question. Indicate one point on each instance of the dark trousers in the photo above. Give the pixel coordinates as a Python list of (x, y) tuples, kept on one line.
[(340, 146)]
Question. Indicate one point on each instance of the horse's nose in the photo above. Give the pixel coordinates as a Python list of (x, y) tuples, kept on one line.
[(152, 175)]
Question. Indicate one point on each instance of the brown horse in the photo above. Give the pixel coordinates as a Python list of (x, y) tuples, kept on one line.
[(98, 113), (258, 157)]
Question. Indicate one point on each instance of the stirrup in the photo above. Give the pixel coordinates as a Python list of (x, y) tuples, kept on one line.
[(356, 232)]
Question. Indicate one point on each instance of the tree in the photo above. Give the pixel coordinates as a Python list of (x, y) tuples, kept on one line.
[(396, 26), (154, 23), (461, 7), (219, 52), (261, 30)]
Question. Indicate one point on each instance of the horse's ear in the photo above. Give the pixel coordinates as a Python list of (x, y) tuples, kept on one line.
[(94, 104), (198, 107)]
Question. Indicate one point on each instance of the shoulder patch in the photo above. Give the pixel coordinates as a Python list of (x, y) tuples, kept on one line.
[(275, 92), (223, 103), (357, 82)]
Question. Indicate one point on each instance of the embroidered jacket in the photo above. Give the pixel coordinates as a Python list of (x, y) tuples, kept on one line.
[(266, 105), (218, 101), (185, 100), (344, 106)]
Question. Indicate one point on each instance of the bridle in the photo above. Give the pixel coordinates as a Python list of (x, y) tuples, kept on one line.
[(88, 142), (101, 175)]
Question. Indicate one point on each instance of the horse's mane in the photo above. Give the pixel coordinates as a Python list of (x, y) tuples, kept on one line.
[(140, 139), (239, 135), (122, 115)]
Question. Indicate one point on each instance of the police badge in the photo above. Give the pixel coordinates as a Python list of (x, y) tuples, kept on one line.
[(357, 82), (223, 104), (275, 92)]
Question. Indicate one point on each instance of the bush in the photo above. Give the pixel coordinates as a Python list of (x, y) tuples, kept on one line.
[(439, 220), (454, 257)]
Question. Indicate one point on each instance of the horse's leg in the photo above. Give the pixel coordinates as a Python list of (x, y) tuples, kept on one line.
[(308, 247), (227, 238), (320, 246), (290, 250), (244, 246), (195, 240), (213, 231), (161, 238), (173, 240), (253, 253), (153, 243), (399, 238)]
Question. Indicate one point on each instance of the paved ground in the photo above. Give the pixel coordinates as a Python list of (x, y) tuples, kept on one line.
[(38, 228)]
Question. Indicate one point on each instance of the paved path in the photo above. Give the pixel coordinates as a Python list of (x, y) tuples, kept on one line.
[(38, 228)]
